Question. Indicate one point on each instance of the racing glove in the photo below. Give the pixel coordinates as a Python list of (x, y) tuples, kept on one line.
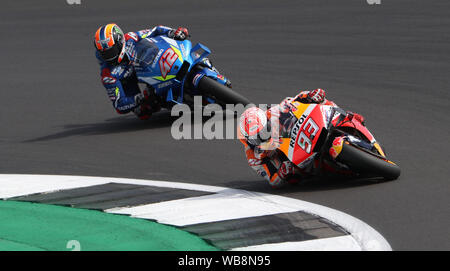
[(316, 96), (180, 33)]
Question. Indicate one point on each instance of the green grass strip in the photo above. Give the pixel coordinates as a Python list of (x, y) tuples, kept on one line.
[(28, 226)]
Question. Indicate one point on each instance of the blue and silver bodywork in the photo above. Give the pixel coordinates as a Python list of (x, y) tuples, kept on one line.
[(164, 64)]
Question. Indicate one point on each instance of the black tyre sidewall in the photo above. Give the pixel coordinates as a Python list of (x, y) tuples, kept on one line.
[(223, 94), (365, 163)]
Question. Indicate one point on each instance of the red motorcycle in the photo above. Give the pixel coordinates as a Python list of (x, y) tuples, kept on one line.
[(333, 140)]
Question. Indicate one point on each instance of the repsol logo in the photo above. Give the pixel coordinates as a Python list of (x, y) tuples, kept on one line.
[(296, 129), (302, 119)]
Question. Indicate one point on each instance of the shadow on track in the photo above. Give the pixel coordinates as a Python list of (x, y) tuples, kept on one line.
[(110, 126), (120, 124), (310, 185)]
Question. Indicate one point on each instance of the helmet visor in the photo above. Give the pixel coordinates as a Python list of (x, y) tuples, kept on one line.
[(111, 55)]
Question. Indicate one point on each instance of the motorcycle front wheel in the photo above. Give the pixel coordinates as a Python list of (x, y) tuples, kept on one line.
[(368, 164), (222, 94)]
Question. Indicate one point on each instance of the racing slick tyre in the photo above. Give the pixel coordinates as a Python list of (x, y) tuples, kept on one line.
[(222, 94), (367, 163)]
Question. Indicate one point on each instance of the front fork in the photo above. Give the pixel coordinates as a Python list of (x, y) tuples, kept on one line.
[(206, 68)]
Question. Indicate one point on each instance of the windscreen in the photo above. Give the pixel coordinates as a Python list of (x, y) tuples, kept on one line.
[(146, 52)]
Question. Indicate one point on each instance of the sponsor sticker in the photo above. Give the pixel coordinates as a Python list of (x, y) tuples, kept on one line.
[(156, 58), (183, 50), (108, 80), (294, 134), (165, 84)]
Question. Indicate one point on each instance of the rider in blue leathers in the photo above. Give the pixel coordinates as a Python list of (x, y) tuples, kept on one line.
[(114, 49)]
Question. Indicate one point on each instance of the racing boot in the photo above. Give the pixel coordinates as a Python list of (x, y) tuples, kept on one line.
[(153, 100)]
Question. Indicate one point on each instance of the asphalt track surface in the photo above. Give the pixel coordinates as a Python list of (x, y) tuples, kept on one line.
[(389, 62)]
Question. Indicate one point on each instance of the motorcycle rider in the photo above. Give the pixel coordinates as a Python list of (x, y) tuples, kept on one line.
[(113, 49), (259, 133)]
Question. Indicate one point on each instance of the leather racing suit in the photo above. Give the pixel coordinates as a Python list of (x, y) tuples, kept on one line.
[(265, 162), (121, 83)]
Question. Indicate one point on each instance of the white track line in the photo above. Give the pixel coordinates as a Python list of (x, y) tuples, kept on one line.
[(340, 243), (226, 204), (16, 185)]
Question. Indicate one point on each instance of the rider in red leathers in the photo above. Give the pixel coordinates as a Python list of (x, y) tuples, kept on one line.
[(259, 132)]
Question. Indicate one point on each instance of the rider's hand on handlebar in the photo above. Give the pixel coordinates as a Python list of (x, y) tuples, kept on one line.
[(180, 34), (317, 95)]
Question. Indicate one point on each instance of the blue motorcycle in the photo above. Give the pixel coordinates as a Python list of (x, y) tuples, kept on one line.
[(177, 72)]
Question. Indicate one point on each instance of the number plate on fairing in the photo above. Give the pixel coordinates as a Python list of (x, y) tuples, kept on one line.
[(304, 134)]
